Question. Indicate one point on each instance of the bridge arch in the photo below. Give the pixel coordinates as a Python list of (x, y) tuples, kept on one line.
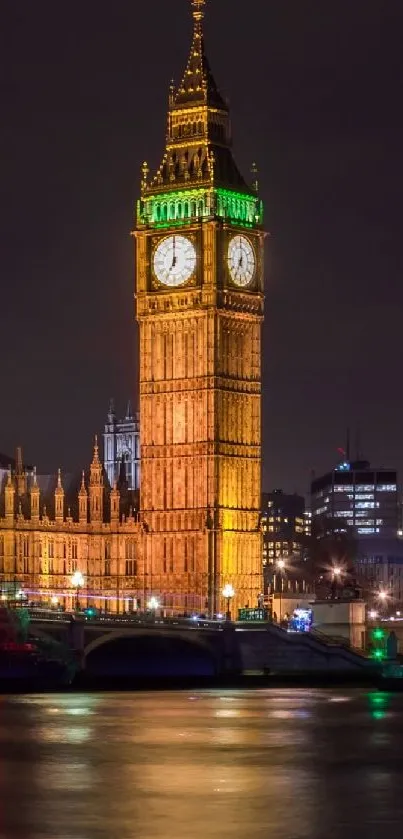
[(154, 647)]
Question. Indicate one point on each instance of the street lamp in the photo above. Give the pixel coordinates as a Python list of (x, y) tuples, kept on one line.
[(281, 568), (372, 614), (228, 592), (153, 604), (77, 581), (383, 597)]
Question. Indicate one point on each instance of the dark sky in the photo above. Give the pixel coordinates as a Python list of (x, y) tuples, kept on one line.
[(316, 90)]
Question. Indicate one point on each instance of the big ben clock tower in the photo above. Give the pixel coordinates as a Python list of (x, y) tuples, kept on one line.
[(199, 292)]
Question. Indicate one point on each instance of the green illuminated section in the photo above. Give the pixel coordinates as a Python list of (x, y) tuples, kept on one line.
[(187, 206)]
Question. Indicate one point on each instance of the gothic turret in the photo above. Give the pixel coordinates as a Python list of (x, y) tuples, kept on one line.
[(20, 474), (83, 502), (96, 487), (115, 502), (35, 498), (9, 493), (111, 412), (59, 498)]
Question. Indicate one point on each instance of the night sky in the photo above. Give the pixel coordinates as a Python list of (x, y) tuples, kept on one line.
[(316, 97)]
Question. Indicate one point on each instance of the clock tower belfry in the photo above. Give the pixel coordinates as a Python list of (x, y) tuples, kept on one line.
[(199, 296)]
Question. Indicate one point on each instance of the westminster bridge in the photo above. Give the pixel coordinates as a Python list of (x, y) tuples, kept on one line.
[(131, 645)]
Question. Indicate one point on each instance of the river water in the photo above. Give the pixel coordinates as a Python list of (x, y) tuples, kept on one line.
[(233, 764)]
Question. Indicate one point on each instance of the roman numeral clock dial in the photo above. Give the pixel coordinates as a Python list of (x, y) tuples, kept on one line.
[(174, 260), (241, 261)]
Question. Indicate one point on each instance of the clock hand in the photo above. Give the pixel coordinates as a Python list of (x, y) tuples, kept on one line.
[(173, 254)]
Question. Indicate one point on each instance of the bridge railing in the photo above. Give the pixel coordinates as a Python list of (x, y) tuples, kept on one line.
[(135, 619)]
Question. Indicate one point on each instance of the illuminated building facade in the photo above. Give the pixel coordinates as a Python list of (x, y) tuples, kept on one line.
[(286, 530), (364, 499), (366, 502), (77, 525), (199, 295), (122, 448)]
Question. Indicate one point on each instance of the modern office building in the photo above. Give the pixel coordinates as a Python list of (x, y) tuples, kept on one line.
[(286, 529), (364, 502), (358, 497)]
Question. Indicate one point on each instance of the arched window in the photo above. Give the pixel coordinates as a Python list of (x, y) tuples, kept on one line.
[(172, 211)]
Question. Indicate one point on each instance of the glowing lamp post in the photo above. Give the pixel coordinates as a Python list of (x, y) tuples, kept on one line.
[(77, 581), (383, 598), (153, 604), (228, 592), (281, 569)]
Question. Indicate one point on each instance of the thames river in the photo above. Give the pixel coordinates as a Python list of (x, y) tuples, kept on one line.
[(280, 763)]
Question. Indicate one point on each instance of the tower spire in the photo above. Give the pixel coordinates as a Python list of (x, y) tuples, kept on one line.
[(198, 7)]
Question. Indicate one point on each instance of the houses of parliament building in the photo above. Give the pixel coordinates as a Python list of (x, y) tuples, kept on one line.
[(194, 526)]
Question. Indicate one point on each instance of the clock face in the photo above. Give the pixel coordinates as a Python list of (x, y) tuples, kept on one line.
[(174, 260), (241, 260)]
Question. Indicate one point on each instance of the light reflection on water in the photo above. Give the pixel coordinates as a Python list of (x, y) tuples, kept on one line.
[(287, 764)]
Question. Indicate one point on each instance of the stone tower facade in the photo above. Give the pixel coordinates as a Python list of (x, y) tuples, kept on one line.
[(199, 296)]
